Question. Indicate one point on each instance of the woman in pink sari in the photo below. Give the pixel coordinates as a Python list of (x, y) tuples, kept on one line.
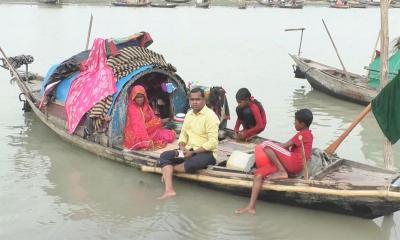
[(143, 129)]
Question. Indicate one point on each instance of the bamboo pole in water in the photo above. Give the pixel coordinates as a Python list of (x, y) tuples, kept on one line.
[(388, 151), (231, 182)]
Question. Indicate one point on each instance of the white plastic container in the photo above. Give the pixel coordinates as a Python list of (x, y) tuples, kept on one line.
[(241, 161)]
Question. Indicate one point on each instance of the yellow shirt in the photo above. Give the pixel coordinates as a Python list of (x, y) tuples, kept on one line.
[(200, 130)]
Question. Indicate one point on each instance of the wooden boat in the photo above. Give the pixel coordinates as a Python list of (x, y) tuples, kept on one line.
[(48, 1), (203, 4), (395, 5), (334, 5), (163, 5), (371, 2), (266, 3), (337, 185), (291, 4), (333, 81), (357, 5), (178, 1), (130, 4)]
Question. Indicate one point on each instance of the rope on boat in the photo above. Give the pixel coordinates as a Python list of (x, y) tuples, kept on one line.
[(26, 107)]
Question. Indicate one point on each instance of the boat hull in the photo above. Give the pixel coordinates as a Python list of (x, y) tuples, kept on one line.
[(365, 202), (332, 81)]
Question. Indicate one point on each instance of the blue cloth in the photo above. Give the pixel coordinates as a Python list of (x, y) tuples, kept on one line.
[(46, 79), (121, 83), (64, 86)]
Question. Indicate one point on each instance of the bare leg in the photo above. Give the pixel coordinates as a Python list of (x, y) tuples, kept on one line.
[(167, 172), (251, 207), (281, 174)]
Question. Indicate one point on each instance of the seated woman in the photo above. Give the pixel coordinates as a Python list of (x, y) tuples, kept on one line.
[(143, 129), (250, 114)]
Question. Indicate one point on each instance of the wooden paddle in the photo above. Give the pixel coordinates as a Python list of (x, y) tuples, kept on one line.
[(332, 148), (303, 157)]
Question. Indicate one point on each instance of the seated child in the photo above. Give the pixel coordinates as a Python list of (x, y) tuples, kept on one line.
[(276, 161), (250, 114)]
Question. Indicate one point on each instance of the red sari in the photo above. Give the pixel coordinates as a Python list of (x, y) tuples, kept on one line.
[(143, 129)]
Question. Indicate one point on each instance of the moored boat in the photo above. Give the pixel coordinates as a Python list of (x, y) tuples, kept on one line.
[(131, 3), (291, 4), (203, 4), (178, 1), (334, 82), (163, 5), (337, 185), (49, 1)]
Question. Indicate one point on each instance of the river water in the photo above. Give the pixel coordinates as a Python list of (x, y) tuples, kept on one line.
[(52, 190)]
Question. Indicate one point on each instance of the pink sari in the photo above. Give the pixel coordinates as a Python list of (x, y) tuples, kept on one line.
[(143, 129)]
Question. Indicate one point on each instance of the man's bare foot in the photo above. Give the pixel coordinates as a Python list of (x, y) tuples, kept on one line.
[(246, 210), (167, 195), (278, 175)]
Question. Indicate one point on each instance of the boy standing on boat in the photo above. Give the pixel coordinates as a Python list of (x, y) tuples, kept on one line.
[(281, 160), (250, 114), (198, 142)]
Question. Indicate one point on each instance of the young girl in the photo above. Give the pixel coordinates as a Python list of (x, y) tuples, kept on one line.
[(276, 161), (251, 115)]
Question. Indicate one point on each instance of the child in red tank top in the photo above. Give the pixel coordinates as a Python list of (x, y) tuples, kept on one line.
[(276, 161)]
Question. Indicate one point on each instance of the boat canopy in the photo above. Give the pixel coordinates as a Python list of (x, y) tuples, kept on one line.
[(375, 66)]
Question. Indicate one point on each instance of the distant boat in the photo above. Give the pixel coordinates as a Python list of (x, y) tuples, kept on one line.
[(333, 81), (178, 1), (372, 2), (49, 1), (242, 4), (334, 5), (358, 5), (203, 4), (292, 4), (131, 3), (163, 5), (267, 3)]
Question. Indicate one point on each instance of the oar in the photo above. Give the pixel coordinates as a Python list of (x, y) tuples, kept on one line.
[(303, 157), (332, 148)]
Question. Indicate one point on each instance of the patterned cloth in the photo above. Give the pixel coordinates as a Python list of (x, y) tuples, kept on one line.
[(128, 60), (95, 82), (131, 58)]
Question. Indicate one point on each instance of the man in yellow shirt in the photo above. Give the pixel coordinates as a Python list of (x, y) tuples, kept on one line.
[(198, 141)]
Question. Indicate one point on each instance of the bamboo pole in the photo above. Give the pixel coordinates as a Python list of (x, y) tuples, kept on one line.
[(270, 186), (337, 52), (376, 45), (303, 158), (89, 32), (332, 148), (388, 151)]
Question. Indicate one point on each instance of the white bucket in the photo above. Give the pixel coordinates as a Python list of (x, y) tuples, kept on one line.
[(241, 161)]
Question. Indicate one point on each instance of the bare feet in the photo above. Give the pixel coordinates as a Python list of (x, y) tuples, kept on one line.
[(278, 175), (167, 195), (249, 210)]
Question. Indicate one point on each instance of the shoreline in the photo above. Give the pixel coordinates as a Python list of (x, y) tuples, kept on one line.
[(227, 3)]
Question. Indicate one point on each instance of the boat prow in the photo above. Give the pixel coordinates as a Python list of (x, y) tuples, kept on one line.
[(334, 82)]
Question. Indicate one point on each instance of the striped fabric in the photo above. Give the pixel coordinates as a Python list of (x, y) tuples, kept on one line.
[(128, 60), (131, 58)]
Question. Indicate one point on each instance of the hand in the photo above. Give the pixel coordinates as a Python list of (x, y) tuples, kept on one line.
[(240, 136), (187, 154)]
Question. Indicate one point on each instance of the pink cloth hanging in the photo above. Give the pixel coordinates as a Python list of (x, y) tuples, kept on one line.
[(95, 82)]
